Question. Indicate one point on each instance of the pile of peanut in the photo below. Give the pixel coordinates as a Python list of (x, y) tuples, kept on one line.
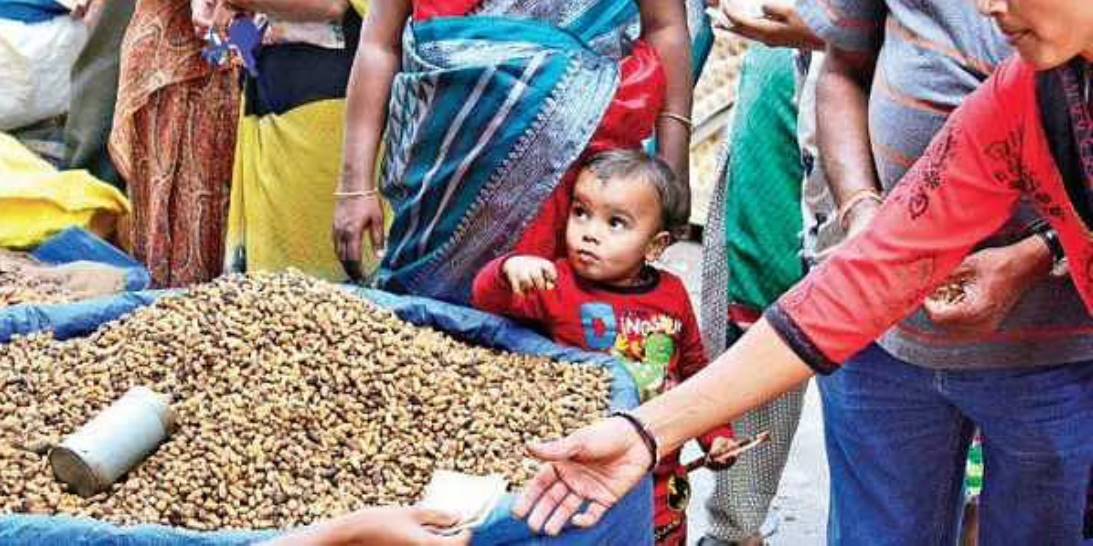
[(18, 287), (296, 401)]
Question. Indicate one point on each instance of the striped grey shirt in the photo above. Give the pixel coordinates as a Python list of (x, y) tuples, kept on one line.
[(930, 55)]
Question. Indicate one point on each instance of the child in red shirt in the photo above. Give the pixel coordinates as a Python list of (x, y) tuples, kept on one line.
[(604, 296)]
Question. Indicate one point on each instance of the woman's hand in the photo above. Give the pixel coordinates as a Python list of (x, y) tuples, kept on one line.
[(598, 464), (354, 216), (201, 14), (780, 26), (991, 282), (391, 526), (527, 273)]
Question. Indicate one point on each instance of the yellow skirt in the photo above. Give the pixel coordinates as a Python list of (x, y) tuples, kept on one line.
[(282, 200)]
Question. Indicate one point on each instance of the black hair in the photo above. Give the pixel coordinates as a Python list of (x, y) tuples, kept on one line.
[(638, 165)]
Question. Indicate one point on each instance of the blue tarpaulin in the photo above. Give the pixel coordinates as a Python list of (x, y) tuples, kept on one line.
[(31, 11), (629, 522)]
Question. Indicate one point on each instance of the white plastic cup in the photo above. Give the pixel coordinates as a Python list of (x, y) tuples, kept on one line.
[(114, 441)]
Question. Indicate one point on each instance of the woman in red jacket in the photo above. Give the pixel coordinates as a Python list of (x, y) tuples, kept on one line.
[(1026, 134)]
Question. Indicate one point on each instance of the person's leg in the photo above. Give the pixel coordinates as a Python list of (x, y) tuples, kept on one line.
[(1089, 511), (743, 493), (896, 450), (1038, 451), (757, 223)]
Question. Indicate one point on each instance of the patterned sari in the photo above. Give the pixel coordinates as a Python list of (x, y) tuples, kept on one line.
[(496, 102), (174, 131)]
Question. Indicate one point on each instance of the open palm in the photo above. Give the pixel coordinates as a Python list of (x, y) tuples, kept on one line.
[(596, 465)]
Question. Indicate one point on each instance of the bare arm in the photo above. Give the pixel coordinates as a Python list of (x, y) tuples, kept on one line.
[(842, 94), (378, 60), (603, 461), (756, 369), (388, 526), (664, 26)]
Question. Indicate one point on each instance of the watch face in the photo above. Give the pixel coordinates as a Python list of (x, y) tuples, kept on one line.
[(1061, 268)]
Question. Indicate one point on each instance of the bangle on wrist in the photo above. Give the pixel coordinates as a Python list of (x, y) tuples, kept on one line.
[(855, 198), (684, 120), (647, 437), (359, 193)]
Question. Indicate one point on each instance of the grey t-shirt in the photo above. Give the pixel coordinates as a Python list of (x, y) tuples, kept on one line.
[(930, 55)]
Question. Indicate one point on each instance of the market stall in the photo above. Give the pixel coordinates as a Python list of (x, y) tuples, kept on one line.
[(437, 340)]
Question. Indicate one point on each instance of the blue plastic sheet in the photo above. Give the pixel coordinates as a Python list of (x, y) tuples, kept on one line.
[(72, 319), (629, 522), (31, 11)]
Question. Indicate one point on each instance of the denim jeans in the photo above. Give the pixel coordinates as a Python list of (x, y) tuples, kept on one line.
[(897, 437)]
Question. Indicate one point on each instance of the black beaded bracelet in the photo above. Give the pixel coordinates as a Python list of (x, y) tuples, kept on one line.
[(647, 437)]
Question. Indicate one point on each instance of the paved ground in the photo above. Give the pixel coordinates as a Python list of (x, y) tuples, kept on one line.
[(799, 512)]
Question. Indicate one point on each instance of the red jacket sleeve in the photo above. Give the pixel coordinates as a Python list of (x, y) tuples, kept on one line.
[(492, 293), (963, 188)]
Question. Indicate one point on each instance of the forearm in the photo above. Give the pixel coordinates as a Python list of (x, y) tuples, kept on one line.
[(758, 368), (295, 10), (666, 31), (324, 534), (842, 94), (367, 97), (1030, 260)]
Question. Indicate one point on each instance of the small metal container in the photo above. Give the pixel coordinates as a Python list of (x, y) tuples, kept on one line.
[(114, 441)]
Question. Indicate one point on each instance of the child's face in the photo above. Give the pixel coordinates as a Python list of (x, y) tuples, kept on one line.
[(614, 228)]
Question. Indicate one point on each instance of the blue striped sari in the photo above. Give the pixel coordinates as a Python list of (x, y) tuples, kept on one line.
[(487, 115)]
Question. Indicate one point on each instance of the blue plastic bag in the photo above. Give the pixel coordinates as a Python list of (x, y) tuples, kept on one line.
[(628, 523), (31, 11)]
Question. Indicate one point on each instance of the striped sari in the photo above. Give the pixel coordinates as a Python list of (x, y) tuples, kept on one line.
[(496, 101)]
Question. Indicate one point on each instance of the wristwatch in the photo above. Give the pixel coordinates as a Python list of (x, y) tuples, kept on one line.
[(1058, 256)]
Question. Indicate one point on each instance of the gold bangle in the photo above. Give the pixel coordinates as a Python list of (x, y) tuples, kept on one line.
[(361, 193), (855, 198), (686, 121)]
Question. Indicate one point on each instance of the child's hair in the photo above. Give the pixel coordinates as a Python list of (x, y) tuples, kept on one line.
[(638, 165)]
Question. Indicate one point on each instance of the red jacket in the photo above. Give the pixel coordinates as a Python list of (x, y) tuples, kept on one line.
[(992, 152), (651, 327)]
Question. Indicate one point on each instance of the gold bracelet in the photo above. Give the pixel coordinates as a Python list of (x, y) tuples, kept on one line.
[(686, 121), (361, 193), (855, 198)]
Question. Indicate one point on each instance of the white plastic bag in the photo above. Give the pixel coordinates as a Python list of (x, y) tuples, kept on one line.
[(35, 68)]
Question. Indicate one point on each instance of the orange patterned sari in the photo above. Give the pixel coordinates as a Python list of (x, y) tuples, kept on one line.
[(173, 142)]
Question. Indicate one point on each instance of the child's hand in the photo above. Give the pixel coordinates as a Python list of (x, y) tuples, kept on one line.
[(721, 455), (527, 273)]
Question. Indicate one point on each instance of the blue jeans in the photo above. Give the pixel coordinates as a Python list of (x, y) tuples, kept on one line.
[(897, 437)]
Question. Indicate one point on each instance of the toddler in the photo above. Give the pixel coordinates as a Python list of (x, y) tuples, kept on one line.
[(605, 296)]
